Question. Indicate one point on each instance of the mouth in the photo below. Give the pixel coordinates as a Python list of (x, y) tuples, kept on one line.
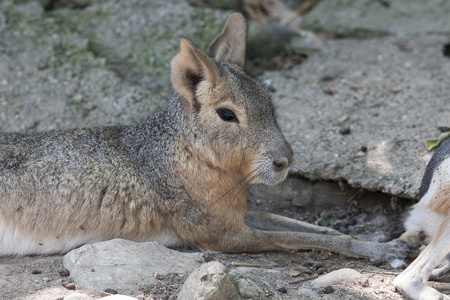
[(271, 172)]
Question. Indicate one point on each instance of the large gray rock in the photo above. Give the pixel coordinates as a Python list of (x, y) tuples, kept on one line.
[(392, 93), (126, 266), (105, 64), (366, 19)]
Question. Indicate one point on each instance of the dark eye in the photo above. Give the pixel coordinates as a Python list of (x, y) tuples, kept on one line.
[(227, 115)]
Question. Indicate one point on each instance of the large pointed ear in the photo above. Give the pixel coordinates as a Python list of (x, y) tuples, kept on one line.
[(229, 45), (190, 67)]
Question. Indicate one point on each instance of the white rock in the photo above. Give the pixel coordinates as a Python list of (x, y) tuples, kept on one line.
[(119, 297), (209, 282), (341, 276), (124, 265), (77, 296)]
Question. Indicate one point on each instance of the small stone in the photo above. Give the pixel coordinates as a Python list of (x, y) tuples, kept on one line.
[(70, 286), (328, 290), (77, 296), (345, 131), (63, 272), (209, 281), (317, 265), (282, 290), (321, 270), (110, 291), (249, 289), (341, 276), (330, 91), (378, 263)]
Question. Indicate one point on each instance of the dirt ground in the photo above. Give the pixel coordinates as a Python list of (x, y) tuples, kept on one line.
[(19, 282), (43, 277)]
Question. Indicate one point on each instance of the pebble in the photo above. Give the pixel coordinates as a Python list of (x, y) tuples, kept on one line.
[(249, 289), (328, 290), (209, 281), (111, 291), (63, 272), (77, 296), (119, 297), (70, 285), (345, 131), (338, 277)]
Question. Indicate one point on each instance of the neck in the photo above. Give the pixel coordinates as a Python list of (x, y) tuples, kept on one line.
[(221, 192)]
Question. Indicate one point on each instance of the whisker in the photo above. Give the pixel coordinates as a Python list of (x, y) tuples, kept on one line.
[(300, 165), (243, 180), (247, 183)]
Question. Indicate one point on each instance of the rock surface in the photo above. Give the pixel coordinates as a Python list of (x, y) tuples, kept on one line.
[(391, 93), (357, 110), (124, 265), (96, 66), (366, 19), (209, 282)]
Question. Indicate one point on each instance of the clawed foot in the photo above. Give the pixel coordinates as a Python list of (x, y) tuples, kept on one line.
[(397, 251)]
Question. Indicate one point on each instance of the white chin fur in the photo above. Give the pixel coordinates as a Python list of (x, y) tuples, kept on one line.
[(268, 175)]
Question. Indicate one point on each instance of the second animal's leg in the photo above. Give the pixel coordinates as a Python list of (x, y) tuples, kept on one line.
[(413, 281), (443, 268)]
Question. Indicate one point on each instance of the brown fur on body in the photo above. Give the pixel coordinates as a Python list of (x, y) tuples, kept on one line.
[(431, 217), (180, 177)]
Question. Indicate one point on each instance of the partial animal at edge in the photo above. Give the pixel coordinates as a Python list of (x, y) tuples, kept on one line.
[(430, 217)]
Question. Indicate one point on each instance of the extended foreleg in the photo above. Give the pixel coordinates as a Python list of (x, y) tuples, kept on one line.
[(254, 240)]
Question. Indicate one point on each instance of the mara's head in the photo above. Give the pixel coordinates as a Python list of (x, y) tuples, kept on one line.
[(228, 116)]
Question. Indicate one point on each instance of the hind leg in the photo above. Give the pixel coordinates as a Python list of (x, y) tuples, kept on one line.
[(413, 281)]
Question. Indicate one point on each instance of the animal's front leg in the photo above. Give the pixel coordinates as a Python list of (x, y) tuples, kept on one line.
[(248, 239), (413, 281)]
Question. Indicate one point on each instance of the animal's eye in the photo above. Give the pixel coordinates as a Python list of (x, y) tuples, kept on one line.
[(227, 115)]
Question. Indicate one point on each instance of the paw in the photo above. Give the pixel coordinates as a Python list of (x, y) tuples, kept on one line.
[(396, 251), (416, 291)]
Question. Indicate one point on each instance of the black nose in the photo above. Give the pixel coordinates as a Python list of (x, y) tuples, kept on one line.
[(280, 164), (282, 157)]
